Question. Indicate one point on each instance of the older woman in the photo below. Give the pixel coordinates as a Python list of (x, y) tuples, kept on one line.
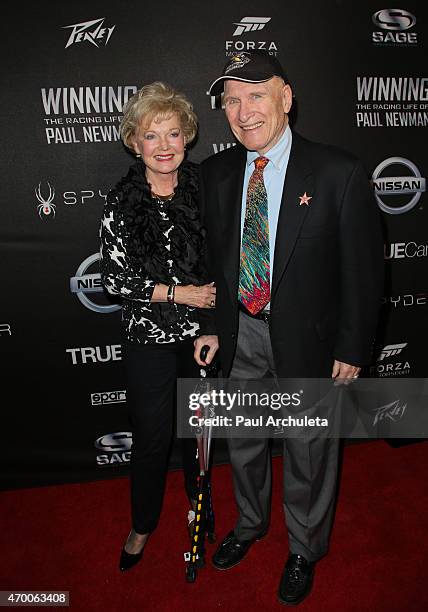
[(152, 247)]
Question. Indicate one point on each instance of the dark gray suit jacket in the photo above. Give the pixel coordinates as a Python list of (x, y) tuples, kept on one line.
[(327, 280)]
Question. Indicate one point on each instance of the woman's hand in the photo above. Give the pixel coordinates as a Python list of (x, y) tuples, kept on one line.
[(198, 297)]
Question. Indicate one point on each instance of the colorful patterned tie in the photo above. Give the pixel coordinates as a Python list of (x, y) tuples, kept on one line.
[(254, 274)]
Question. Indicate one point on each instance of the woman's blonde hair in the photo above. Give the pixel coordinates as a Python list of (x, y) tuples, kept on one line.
[(157, 101)]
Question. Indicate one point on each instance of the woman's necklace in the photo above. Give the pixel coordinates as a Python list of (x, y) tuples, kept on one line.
[(162, 198)]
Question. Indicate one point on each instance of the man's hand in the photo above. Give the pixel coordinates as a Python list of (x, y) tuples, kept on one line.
[(212, 342), (344, 372)]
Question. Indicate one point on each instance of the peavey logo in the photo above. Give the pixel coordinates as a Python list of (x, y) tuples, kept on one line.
[(46, 206), (389, 369), (394, 22), (250, 24), (393, 412), (104, 398), (93, 32), (118, 444)]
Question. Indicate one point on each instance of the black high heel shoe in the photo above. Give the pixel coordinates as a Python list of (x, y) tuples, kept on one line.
[(128, 560)]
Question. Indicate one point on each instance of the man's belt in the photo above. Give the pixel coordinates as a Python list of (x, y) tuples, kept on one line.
[(263, 315)]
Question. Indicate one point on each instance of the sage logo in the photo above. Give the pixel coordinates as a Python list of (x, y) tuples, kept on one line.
[(389, 187), (393, 24), (250, 24), (394, 19), (116, 447), (390, 350), (115, 442), (84, 284), (93, 32)]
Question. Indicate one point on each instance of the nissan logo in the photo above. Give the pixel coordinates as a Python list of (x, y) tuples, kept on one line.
[(394, 19), (389, 186), (115, 442), (83, 283)]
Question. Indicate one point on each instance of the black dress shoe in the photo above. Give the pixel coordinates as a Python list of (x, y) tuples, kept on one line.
[(128, 560), (296, 580), (231, 551)]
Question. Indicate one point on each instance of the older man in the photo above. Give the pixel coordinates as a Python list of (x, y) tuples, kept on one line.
[(296, 255)]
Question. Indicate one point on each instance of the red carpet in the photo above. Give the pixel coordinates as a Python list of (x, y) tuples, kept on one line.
[(69, 537)]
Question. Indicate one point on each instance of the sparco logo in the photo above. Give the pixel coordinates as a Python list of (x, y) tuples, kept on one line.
[(395, 21), (83, 284), (393, 186), (391, 349), (46, 206), (108, 397), (118, 444), (90, 31), (250, 24), (403, 250)]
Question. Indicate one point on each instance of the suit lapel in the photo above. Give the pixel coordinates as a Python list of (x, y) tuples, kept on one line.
[(230, 201), (298, 180)]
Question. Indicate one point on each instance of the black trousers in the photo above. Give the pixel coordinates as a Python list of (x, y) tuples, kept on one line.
[(152, 371)]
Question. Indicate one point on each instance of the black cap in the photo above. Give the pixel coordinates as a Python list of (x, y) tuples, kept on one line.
[(250, 67)]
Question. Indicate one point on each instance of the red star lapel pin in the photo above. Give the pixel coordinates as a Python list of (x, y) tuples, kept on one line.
[(304, 199)]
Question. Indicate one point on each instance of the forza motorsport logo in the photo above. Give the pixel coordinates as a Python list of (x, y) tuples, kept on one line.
[(92, 32), (245, 27), (393, 28), (250, 24), (390, 362), (397, 194)]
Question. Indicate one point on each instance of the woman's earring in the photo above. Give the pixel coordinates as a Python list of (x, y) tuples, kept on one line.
[(138, 155)]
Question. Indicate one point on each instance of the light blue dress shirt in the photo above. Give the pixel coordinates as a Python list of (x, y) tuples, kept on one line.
[(274, 177)]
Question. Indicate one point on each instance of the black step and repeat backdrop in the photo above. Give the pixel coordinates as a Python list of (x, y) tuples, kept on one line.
[(360, 79)]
